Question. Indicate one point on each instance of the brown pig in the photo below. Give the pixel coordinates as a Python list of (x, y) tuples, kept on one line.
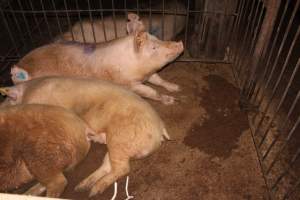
[(40, 141), (129, 61), (132, 128)]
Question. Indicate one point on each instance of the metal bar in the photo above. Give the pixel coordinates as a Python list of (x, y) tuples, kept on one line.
[(26, 23), (114, 18), (163, 21), (186, 23), (46, 20), (102, 19), (285, 122), (34, 17), (273, 46), (72, 11), (280, 50), (175, 19), (80, 22), (150, 15), (57, 19), (258, 153), (252, 49), (238, 32), (279, 78), (91, 21), (9, 31), (137, 7), (241, 60), (280, 102), (69, 21), (276, 158), (289, 193), (285, 172)]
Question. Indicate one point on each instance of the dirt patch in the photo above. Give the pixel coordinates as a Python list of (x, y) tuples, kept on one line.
[(218, 135)]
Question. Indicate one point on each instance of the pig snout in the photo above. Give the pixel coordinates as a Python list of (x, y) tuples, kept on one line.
[(176, 48)]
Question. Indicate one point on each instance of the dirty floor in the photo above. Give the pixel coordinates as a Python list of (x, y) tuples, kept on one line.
[(211, 156)]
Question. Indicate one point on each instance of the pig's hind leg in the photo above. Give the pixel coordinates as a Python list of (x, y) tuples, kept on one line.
[(119, 168), (157, 80), (150, 93), (88, 182)]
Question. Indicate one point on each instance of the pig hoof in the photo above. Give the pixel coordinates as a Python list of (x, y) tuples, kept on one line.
[(84, 185), (173, 88), (167, 100)]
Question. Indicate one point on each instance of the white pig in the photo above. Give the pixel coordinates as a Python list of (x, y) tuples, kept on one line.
[(132, 127), (40, 141), (110, 28), (129, 61)]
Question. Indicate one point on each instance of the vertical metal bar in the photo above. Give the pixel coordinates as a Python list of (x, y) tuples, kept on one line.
[(283, 174), (289, 193), (238, 34), (287, 139), (285, 122), (239, 65), (57, 19), (34, 16), (46, 19), (280, 102), (163, 21), (187, 22), (69, 21), (102, 19), (125, 11), (251, 47), (17, 24), (91, 21), (137, 7), (237, 28), (278, 80), (9, 31), (280, 50), (80, 22), (114, 18), (273, 46), (26, 22), (150, 16), (175, 17)]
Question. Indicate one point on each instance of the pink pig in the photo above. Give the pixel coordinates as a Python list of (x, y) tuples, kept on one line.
[(129, 61)]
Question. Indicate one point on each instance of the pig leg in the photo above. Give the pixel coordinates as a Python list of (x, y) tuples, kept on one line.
[(95, 176), (120, 167), (150, 93), (157, 80), (36, 190), (56, 186)]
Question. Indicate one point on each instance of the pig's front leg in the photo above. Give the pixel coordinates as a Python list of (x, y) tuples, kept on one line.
[(157, 80), (150, 93)]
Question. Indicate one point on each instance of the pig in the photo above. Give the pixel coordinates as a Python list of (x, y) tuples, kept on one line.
[(111, 28), (129, 61), (132, 128), (40, 142)]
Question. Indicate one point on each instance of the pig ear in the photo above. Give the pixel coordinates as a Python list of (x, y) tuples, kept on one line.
[(134, 25), (19, 74), (139, 40)]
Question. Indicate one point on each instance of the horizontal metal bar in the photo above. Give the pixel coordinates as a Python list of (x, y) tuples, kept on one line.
[(116, 10)]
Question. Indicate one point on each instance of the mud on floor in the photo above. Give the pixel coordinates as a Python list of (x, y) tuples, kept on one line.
[(212, 155)]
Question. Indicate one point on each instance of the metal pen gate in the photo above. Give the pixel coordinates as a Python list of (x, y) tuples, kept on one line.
[(259, 39)]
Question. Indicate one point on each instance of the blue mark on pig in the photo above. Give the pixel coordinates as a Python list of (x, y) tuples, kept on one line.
[(21, 76)]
